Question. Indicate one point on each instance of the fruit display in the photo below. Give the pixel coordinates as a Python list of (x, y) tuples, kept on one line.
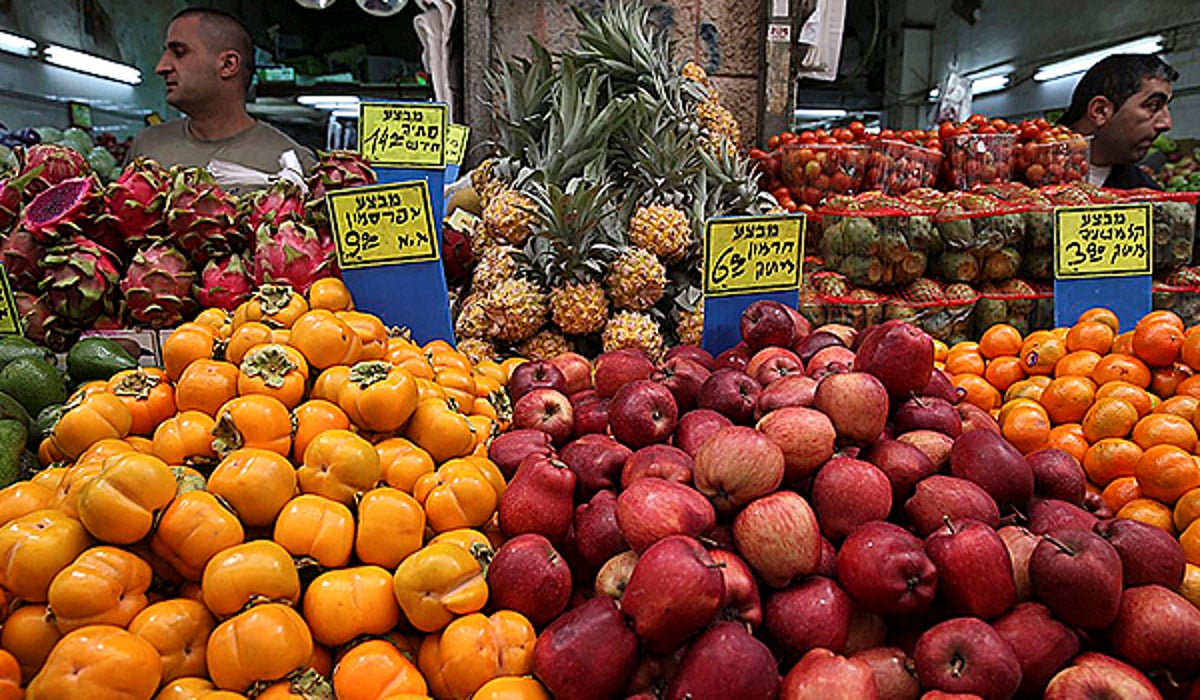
[(1049, 155), (104, 155), (610, 158), (816, 170), (896, 166), (140, 251)]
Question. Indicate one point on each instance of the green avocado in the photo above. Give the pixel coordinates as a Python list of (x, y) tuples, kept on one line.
[(97, 358), (14, 346), (33, 382), (12, 446), (12, 409)]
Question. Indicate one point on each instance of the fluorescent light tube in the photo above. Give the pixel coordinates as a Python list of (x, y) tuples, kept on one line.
[(820, 113), (1078, 64), (329, 101), (991, 83), (92, 65), (19, 45)]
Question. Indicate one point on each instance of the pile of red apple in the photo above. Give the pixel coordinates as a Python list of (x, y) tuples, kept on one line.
[(813, 514)]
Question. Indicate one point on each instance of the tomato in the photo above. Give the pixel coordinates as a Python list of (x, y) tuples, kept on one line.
[(787, 137), (773, 142), (99, 662)]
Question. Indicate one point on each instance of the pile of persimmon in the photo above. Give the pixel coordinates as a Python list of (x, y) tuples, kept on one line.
[(1123, 403), (299, 503)]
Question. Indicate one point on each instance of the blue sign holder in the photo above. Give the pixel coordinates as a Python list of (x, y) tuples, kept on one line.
[(723, 317), (1128, 297)]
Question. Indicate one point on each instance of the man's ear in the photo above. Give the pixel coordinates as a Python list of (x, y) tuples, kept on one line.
[(230, 64), (1100, 110)]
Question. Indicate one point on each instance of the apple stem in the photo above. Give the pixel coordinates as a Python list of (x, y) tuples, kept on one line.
[(1062, 546), (948, 522), (709, 542), (917, 398)]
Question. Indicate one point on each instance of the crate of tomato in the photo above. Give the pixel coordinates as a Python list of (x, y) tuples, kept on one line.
[(1049, 154), (978, 151)]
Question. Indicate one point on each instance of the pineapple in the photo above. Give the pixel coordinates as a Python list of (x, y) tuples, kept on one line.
[(720, 124), (472, 318), (662, 229), (477, 349), (689, 327), (636, 279), (515, 309), (695, 73), (546, 345), (496, 264), (508, 216), (632, 329), (579, 307)]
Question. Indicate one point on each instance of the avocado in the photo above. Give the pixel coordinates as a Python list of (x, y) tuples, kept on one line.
[(95, 357), (12, 409), (33, 382), (14, 346), (12, 446), (46, 419)]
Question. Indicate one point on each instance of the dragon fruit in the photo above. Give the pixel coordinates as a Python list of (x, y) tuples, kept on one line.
[(41, 325), (80, 281), (292, 253), (21, 252), (12, 192), (135, 203), (60, 211), (200, 216), (337, 169), (274, 205), (54, 164), (158, 286), (224, 284)]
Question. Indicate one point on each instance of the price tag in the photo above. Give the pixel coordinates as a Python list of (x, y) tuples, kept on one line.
[(753, 255), (403, 134), (462, 220), (383, 224), (1108, 241), (456, 143), (10, 317)]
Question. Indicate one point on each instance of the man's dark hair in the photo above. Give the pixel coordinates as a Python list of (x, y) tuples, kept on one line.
[(228, 34), (1116, 77)]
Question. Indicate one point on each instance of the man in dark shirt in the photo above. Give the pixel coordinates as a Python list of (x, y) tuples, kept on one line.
[(1122, 102)]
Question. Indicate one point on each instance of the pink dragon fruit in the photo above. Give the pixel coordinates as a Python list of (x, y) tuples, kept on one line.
[(292, 254), (274, 205), (200, 216), (80, 281), (12, 193), (21, 253), (224, 284), (41, 325), (158, 286), (135, 203), (56, 163), (337, 169), (60, 211)]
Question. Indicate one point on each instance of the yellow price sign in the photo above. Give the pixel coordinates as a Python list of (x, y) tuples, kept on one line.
[(1113, 240), (456, 143), (10, 317), (753, 254), (383, 224), (403, 134)]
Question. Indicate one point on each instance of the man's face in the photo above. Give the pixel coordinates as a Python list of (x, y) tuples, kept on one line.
[(1132, 128), (189, 67)]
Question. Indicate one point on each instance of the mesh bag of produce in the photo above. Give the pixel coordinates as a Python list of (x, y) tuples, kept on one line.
[(1037, 252), (896, 167), (841, 302), (1012, 301), (982, 238), (942, 311), (1179, 292), (878, 241), (1174, 216), (977, 159)]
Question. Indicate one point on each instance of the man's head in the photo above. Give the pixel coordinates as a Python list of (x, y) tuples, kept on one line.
[(208, 56), (1122, 102)]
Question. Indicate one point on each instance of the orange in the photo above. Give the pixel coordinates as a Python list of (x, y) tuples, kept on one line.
[(1080, 363), (1166, 472), (940, 350), (1157, 343), (1149, 511), (1110, 459), (1108, 418), (978, 391), (1040, 354), (1158, 315), (1189, 352), (966, 361), (1190, 588), (1189, 387), (1096, 336), (1165, 381), (1069, 437), (1138, 397), (1030, 388), (1123, 343), (1164, 429), (1027, 427), (1187, 509), (1121, 366), (1182, 406), (1067, 399), (999, 340), (1098, 313), (1120, 491), (1004, 371)]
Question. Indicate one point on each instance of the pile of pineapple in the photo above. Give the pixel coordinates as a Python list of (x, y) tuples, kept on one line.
[(608, 160)]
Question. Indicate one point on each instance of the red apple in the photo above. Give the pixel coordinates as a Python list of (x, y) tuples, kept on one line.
[(778, 537), (867, 629), (683, 377), (886, 570), (736, 357), (731, 392), (847, 493), (535, 374), (967, 655), (617, 368), (827, 357), (813, 343), (773, 363), (1077, 574), (725, 662), (540, 498), (934, 444), (938, 497), (740, 600), (792, 390), (765, 323), (927, 413), (1156, 629), (801, 324), (696, 426), (899, 354), (528, 575), (591, 413), (1057, 474), (1043, 644), (856, 403), (651, 509), (642, 412), (597, 533), (674, 592), (806, 437), (613, 576), (737, 465), (1095, 676), (904, 465), (662, 461), (597, 461), (508, 449), (992, 462), (824, 675), (847, 334), (810, 614), (591, 641), (975, 418), (895, 673), (975, 575), (1148, 554), (576, 370), (1020, 543), (940, 386), (548, 410), (695, 353), (1050, 514)]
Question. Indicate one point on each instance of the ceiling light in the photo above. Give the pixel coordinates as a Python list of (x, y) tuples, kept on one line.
[(1078, 64), (991, 83), (19, 45), (329, 102), (820, 113), (92, 65)]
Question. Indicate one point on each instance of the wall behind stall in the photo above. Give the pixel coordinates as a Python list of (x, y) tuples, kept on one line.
[(33, 93), (1028, 33)]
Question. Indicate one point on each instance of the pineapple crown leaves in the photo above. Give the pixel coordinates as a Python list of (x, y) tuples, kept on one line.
[(521, 95), (573, 233), (624, 42)]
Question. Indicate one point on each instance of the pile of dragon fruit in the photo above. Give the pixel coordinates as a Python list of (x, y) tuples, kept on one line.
[(150, 248)]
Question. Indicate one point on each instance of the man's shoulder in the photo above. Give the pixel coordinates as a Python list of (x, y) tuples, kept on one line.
[(1127, 176), (264, 133), (173, 129)]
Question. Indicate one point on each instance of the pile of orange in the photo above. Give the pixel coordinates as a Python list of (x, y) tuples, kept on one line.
[(1123, 403)]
